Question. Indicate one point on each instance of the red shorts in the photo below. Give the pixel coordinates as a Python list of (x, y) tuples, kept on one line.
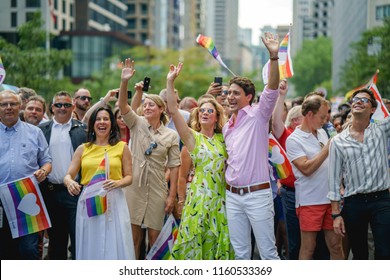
[(315, 217)]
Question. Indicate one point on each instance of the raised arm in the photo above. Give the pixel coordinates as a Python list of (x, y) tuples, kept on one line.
[(127, 73), (277, 115), (181, 125), (137, 98), (110, 96), (271, 42)]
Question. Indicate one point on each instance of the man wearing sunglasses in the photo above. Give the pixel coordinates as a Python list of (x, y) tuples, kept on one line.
[(359, 156), (64, 134), (82, 100)]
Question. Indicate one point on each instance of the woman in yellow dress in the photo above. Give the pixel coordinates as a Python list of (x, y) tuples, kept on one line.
[(105, 234)]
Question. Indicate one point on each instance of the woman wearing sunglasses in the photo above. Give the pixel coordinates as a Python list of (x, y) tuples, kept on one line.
[(203, 231), (155, 148)]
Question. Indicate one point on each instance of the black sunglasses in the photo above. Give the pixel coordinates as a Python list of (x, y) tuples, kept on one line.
[(209, 110), (152, 146), (59, 105), (362, 99), (224, 92), (84, 97)]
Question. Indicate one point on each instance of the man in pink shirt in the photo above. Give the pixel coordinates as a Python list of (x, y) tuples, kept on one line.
[(249, 200)]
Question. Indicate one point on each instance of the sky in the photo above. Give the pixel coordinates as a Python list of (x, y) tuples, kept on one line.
[(257, 13)]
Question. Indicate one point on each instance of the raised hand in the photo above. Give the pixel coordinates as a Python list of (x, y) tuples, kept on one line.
[(283, 87), (174, 71), (128, 69), (271, 42)]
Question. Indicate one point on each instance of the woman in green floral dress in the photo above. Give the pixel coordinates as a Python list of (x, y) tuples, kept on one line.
[(203, 232)]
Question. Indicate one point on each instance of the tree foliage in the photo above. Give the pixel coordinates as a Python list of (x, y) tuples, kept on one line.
[(362, 64), (28, 63), (312, 65)]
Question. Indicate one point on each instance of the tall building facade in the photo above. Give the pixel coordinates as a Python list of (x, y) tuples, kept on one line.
[(193, 21), (311, 19), (222, 25)]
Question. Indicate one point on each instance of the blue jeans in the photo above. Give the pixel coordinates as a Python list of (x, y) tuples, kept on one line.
[(292, 223), (360, 210)]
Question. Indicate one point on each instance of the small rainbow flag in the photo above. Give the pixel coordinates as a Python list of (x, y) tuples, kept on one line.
[(24, 207), (2, 71), (97, 205), (162, 248), (281, 166), (208, 44), (285, 61)]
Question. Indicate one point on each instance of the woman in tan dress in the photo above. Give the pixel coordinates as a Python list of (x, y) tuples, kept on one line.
[(154, 148)]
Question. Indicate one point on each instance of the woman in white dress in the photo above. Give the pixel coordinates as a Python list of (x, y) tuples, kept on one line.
[(105, 231)]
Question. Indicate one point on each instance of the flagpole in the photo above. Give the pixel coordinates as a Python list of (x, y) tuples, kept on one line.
[(47, 36)]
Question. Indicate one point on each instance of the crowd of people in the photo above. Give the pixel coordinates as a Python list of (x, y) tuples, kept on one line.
[(206, 162)]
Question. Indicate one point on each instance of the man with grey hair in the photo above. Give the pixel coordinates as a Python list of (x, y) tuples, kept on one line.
[(24, 151)]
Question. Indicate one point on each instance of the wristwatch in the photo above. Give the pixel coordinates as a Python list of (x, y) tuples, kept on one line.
[(334, 216)]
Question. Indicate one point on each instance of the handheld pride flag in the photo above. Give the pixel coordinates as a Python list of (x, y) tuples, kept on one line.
[(2, 71), (285, 61), (24, 206), (97, 204), (208, 44), (162, 248), (373, 80), (381, 112), (277, 158)]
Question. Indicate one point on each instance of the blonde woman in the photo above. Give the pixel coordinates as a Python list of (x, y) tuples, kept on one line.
[(203, 231), (155, 148)]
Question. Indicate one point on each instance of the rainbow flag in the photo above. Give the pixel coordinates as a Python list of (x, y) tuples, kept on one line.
[(162, 248), (208, 43), (97, 205), (281, 166), (24, 206), (2, 71), (285, 61), (373, 80)]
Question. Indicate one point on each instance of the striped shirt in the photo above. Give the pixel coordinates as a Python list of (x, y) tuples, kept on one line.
[(363, 166)]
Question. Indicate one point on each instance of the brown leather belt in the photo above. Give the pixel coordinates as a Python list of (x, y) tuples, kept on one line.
[(244, 190)]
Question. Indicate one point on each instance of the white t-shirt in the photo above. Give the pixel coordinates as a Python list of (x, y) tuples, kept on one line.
[(310, 190)]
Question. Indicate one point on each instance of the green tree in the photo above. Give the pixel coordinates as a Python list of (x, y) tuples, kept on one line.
[(312, 65), (28, 63), (362, 64), (194, 80)]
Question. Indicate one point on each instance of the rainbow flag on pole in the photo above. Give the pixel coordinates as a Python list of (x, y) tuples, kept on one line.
[(2, 72), (208, 44), (162, 248), (281, 166), (285, 61), (97, 205), (24, 206)]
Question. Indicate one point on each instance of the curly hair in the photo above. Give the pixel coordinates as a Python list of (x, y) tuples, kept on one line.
[(221, 119)]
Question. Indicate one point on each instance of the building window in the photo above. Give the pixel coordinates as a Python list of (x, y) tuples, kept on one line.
[(13, 4), (14, 19), (71, 8), (144, 9), (64, 7), (33, 3), (131, 23), (131, 9), (382, 12), (144, 23)]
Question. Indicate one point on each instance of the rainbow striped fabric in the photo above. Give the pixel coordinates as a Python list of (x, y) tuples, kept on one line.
[(97, 205), (281, 166), (24, 207), (162, 248), (2, 72), (285, 61), (208, 44)]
